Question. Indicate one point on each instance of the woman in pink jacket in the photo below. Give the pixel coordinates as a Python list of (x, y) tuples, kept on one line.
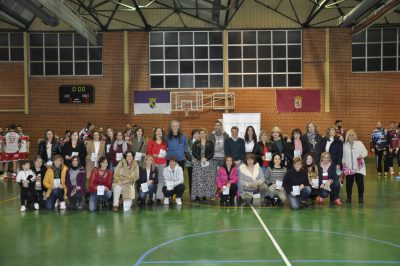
[(227, 179)]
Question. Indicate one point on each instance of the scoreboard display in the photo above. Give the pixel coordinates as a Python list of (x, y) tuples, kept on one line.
[(76, 94)]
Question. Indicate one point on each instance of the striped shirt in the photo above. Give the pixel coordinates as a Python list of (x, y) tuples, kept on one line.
[(275, 174)]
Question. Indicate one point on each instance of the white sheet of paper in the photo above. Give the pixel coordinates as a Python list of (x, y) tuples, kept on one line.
[(296, 190), (94, 157), (74, 153), (108, 148), (225, 190), (118, 157), (315, 182), (100, 190), (205, 164), (278, 184), (297, 153), (57, 183), (256, 196), (162, 153), (268, 156), (170, 185), (324, 181), (127, 205), (138, 156), (145, 187)]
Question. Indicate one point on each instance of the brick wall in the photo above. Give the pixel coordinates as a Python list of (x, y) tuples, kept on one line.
[(358, 99)]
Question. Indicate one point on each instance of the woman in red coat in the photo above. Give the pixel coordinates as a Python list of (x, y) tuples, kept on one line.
[(227, 179), (100, 184)]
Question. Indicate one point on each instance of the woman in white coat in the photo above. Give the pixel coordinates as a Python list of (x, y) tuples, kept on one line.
[(354, 153)]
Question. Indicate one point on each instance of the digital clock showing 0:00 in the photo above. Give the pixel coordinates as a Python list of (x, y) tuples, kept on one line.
[(76, 94)]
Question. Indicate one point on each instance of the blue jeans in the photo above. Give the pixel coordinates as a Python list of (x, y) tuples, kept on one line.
[(94, 199), (152, 189), (295, 201), (56, 194)]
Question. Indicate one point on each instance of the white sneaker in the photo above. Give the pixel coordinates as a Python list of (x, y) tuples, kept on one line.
[(166, 201), (23, 208), (36, 206), (62, 206), (56, 204), (179, 201)]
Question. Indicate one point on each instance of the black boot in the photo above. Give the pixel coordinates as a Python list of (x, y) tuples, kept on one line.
[(223, 200), (232, 201)]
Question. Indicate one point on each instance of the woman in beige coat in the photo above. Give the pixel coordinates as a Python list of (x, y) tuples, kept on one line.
[(95, 150), (125, 176)]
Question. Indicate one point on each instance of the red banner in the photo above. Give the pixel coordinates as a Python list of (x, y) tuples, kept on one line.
[(298, 101)]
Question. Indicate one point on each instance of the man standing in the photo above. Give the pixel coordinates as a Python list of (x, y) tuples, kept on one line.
[(12, 145), (234, 146), (218, 137), (393, 142), (378, 146)]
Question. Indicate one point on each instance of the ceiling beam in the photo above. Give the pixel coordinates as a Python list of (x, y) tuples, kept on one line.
[(147, 27), (388, 7), (314, 12)]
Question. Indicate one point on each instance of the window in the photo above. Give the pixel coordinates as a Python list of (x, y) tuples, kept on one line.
[(376, 50), (64, 54), (265, 58), (11, 46), (186, 60)]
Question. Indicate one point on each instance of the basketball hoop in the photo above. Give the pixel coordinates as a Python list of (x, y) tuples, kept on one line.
[(186, 111)]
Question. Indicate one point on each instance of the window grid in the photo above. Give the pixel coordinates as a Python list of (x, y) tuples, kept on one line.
[(367, 64), (187, 79), (9, 48), (60, 62), (258, 74)]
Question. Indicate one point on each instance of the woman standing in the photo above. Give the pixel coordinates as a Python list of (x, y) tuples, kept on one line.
[(313, 141), (329, 183), (203, 169), (109, 140), (75, 181), (49, 147), (158, 149), (74, 147), (118, 148), (296, 185), (125, 175), (279, 141), (227, 182), (195, 136), (296, 147), (139, 145), (176, 143), (100, 184), (250, 139), (331, 143), (95, 149), (264, 150), (354, 153)]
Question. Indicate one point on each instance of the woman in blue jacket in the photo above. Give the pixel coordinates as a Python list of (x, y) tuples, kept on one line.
[(176, 143)]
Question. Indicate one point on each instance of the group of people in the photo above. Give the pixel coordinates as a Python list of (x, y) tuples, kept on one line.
[(303, 168)]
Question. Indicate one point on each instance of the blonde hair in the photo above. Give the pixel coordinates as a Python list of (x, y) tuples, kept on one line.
[(276, 129), (325, 153), (352, 132), (152, 161), (205, 131)]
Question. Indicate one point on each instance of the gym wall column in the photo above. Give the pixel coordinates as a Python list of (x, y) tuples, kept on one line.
[(326, 72), (126, 74)]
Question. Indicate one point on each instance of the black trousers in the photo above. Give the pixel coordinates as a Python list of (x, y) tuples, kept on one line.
[(178, 190), (190, 172), (392, 156), (379, 157), (232, 193), (360, 185), (28, 195)]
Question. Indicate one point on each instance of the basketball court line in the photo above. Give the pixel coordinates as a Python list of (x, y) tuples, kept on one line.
[(271, 237)]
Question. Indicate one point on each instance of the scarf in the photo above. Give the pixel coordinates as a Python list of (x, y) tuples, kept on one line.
[(120, 142), (324, 166), (57, 173), (73, 174), (311, 137)]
